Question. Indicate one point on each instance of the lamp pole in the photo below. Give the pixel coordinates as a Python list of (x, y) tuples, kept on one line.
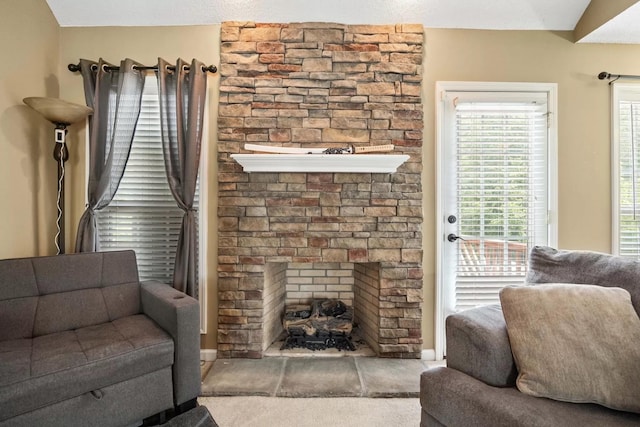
[(61, 155), (61, 114)]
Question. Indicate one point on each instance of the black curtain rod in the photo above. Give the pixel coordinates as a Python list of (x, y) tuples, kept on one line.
[(76, 67), (604, 75)]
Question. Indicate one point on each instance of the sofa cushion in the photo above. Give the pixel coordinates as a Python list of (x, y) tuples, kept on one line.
[(18, 279), (575, 343), (85, 307), (55, 367), (549, 265), (17, 318), (70, 273), (100, 287)]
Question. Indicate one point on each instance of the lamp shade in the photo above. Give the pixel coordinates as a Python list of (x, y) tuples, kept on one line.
[(58, 111)]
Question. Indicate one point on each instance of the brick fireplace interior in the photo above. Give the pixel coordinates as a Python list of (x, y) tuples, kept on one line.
[(289, 237)]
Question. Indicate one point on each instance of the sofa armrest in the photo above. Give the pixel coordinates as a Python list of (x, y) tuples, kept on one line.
[(179, 315), (478, 345)]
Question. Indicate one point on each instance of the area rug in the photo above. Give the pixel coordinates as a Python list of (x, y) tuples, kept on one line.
[(256, 411)]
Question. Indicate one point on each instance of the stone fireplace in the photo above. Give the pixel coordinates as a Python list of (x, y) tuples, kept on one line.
[(289, 237)]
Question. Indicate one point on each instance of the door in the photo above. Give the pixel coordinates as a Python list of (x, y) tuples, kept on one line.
[(493, 192)]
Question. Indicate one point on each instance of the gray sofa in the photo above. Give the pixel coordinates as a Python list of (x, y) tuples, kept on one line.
[(84, 342), (478, 386)]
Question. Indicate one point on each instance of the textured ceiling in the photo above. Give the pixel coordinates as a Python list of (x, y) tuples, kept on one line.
[(472, 14)]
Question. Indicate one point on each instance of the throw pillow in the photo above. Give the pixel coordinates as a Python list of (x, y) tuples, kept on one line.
[(575, 343)]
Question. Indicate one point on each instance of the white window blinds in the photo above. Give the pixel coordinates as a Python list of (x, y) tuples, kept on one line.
[(143, 215), (626, 168), (501, 162)]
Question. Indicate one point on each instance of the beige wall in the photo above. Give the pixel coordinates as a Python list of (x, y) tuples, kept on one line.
[(35, 53), (29, 43)]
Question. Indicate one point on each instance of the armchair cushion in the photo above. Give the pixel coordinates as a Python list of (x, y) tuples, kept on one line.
[(549, 265), (575, 343), (478, 345)]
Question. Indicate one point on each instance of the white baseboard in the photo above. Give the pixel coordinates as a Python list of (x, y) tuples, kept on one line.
[(208, 355), (428, 354)]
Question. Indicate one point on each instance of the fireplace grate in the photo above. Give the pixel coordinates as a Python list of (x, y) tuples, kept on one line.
[(298, 338), (322, 324)]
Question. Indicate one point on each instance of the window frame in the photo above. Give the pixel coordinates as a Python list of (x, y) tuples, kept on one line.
[(619, 91), (203, 208)]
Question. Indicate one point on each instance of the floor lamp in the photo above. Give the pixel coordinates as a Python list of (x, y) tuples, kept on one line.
[(61, 114)]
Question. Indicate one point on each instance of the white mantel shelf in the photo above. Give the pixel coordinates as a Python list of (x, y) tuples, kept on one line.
[(349, 163)]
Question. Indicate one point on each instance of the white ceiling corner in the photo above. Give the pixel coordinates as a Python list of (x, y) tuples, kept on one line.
[(556, 15)]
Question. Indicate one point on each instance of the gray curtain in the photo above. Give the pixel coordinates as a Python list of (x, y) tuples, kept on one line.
[(115, 97), (182, 94)]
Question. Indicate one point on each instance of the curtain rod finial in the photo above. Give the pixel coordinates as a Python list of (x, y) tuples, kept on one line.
[(604, 75), (73, 67)]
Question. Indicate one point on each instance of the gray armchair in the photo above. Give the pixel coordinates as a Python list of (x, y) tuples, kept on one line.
[(478, 386)]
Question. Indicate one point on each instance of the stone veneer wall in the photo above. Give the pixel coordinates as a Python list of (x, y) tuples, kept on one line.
[(318, 84)]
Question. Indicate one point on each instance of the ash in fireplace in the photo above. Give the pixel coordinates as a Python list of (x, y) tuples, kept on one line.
[(322, 324)]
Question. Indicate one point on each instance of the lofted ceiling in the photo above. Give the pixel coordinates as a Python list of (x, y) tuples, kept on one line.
[(593, 21)]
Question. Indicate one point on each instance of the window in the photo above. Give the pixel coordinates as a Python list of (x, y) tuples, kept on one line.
[(626, 169), (143, 215)]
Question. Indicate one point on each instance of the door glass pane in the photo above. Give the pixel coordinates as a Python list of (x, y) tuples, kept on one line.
[(500, 195)]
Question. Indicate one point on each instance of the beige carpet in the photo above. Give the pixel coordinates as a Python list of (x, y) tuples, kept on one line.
[(254, 411)]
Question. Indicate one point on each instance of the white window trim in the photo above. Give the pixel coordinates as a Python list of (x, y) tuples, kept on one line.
[(447, 86), (616, 94), (203, 209)]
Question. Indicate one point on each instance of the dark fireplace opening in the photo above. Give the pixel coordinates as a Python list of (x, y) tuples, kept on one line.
[(323, 324), (312, 306)]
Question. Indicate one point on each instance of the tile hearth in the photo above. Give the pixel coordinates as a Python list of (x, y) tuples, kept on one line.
[(319, 377)]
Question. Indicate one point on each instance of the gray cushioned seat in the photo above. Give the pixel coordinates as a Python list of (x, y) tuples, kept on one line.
[(50, 368), (84, 342)]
